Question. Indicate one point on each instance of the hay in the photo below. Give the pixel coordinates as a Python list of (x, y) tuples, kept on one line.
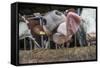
[(56, 55)]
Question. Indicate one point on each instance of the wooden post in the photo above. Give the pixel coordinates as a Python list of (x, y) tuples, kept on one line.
[(30, 41), (75, 41), (24, 44), (48, 42), (41, 35)]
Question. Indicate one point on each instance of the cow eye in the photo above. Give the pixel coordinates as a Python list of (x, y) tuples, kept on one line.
[(58, 13)]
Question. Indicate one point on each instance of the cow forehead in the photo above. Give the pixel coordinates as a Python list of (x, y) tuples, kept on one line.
[(53, 20)]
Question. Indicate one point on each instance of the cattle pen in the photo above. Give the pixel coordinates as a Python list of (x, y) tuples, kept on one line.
[(56, 34)]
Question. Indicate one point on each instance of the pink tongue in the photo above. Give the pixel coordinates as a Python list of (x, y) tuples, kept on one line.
[(73, 22)]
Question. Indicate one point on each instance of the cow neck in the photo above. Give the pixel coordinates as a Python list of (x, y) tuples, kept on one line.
[(55, 29)]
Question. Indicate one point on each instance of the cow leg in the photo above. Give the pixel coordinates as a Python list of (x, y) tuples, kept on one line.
[(63, 45), (34, 45), (56, 45), (47, 45), (59, 46), (68, 44)]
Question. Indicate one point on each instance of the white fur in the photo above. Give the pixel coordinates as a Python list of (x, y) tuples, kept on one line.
[(89, 15), (53, 20), (62, 28), (23, 30)]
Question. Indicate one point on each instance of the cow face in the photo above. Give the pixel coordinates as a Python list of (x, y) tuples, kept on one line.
[(53, 19), (57, 15)]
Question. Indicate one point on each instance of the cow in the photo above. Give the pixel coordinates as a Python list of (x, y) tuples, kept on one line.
[(44, 25), (89, 17), (73, 29)]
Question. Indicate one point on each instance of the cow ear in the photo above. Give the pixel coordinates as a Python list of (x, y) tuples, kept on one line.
[(58, 13), (44, 21)]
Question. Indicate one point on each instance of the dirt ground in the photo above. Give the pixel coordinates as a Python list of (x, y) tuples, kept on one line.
[(56, 55)]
